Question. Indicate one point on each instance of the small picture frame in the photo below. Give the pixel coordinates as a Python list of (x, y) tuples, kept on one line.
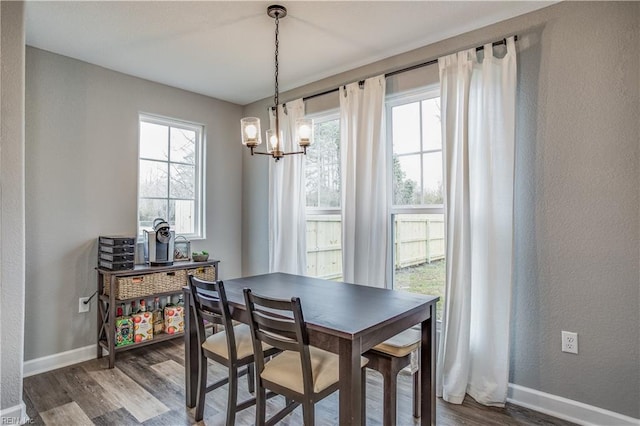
[(181, 249)]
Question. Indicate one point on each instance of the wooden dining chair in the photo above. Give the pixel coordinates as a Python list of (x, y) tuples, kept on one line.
[(388, 358), (231, 347), (303, 374)]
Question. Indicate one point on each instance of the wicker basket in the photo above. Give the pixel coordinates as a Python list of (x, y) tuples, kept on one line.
[(164, 282), (130, 287), (207, 273)]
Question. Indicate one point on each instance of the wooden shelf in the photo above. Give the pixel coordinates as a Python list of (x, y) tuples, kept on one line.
[(107, 308), (156, 338), (146, 269), (105, 298)]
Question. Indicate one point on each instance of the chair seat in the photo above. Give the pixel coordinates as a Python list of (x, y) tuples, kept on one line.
[(217, 343), (286, 369), (401, 344)]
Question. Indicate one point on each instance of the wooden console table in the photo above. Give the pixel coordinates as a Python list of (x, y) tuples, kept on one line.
[(107, 303)]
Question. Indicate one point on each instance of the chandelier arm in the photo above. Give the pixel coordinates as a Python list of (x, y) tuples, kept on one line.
[(261, 153)]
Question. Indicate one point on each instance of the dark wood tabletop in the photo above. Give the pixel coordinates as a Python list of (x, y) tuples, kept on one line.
[(346, 319)]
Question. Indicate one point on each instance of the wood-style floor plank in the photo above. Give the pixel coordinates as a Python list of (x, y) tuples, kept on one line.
[(68, 414), (45, 391), (147, 387), (171, 371), (84, 390), (117, 417), (140, 403)]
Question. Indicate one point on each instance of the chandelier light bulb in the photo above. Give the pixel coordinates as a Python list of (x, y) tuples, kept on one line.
[(274, 141), (251, 131), (304, 128), (305, 132)]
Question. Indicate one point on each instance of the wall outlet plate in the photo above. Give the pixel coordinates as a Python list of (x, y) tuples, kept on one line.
[(83, 307), (570, 342)]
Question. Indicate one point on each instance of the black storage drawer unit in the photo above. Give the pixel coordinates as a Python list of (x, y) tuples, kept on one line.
[(116, 252)]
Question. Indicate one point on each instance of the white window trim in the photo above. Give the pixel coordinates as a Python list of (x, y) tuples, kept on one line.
[(200, 171), (320, 117), (428, 92)]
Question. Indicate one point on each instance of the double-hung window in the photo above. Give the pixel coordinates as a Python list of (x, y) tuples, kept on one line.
[(170, 175), (417, 210), (323, 199)]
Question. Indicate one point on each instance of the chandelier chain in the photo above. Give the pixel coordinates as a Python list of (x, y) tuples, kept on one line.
[(275, 99)]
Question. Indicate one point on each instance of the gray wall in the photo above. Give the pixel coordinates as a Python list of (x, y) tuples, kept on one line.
[(577, 201), (81, 182), (12, 227)]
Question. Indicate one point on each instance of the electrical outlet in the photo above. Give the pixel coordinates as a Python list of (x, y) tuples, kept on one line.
[(570, 342), (83, 307)]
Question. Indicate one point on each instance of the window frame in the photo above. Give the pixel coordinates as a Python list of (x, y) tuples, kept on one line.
[(320, 117), (418, 95), (199, 171)]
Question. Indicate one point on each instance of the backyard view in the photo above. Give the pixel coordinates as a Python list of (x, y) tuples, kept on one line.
[(428, 278), (418, 252), (417, 198)]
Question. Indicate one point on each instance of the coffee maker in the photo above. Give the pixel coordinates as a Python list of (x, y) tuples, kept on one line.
[(158, 244)]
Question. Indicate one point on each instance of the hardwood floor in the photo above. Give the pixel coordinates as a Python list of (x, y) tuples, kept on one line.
[(147, 387)]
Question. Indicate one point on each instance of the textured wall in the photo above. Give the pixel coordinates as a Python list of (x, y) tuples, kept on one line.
[(81, 182), (577, 206), (12, 227), (577, 201)]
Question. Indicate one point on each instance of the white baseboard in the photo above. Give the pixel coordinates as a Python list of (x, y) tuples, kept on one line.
[(567, 409), (16, 415), (63, 359)]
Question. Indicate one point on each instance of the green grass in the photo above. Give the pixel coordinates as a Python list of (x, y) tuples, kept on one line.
[(428, 278)]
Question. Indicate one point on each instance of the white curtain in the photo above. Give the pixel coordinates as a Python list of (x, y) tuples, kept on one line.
[(364, 182), (478, 129), (287, 227)]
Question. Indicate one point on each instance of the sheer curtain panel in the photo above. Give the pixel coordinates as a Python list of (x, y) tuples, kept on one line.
[(478, 133), (364, 182), (287, 226)]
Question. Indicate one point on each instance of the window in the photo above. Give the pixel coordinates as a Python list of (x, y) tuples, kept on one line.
[(417, 211), (170, 175), (323, 198)]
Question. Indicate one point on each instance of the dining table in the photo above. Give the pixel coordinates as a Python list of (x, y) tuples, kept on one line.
[(346, 319)]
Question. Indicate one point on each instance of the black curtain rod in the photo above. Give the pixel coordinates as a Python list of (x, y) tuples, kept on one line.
[(410, 68)]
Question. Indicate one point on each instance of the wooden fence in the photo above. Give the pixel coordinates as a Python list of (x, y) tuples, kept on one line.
[(324, 246), (418, 239)]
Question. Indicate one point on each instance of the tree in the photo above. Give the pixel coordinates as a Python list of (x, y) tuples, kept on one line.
[(434, 196), (323, 179), (405, 191)]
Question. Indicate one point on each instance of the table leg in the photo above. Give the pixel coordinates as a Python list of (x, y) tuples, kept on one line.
[(190, 352), (428, 369), (350, 383)]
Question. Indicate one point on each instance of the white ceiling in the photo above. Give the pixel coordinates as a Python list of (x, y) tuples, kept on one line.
[(225, 49)]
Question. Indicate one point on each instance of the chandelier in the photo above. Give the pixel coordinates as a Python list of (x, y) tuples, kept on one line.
[(250, 126)]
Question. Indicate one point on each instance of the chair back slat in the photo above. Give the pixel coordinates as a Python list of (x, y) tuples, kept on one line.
[(209, 302), (209, 305), (279, 323), (285, 326), (211, 317), (279, 342), (271, 303)]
